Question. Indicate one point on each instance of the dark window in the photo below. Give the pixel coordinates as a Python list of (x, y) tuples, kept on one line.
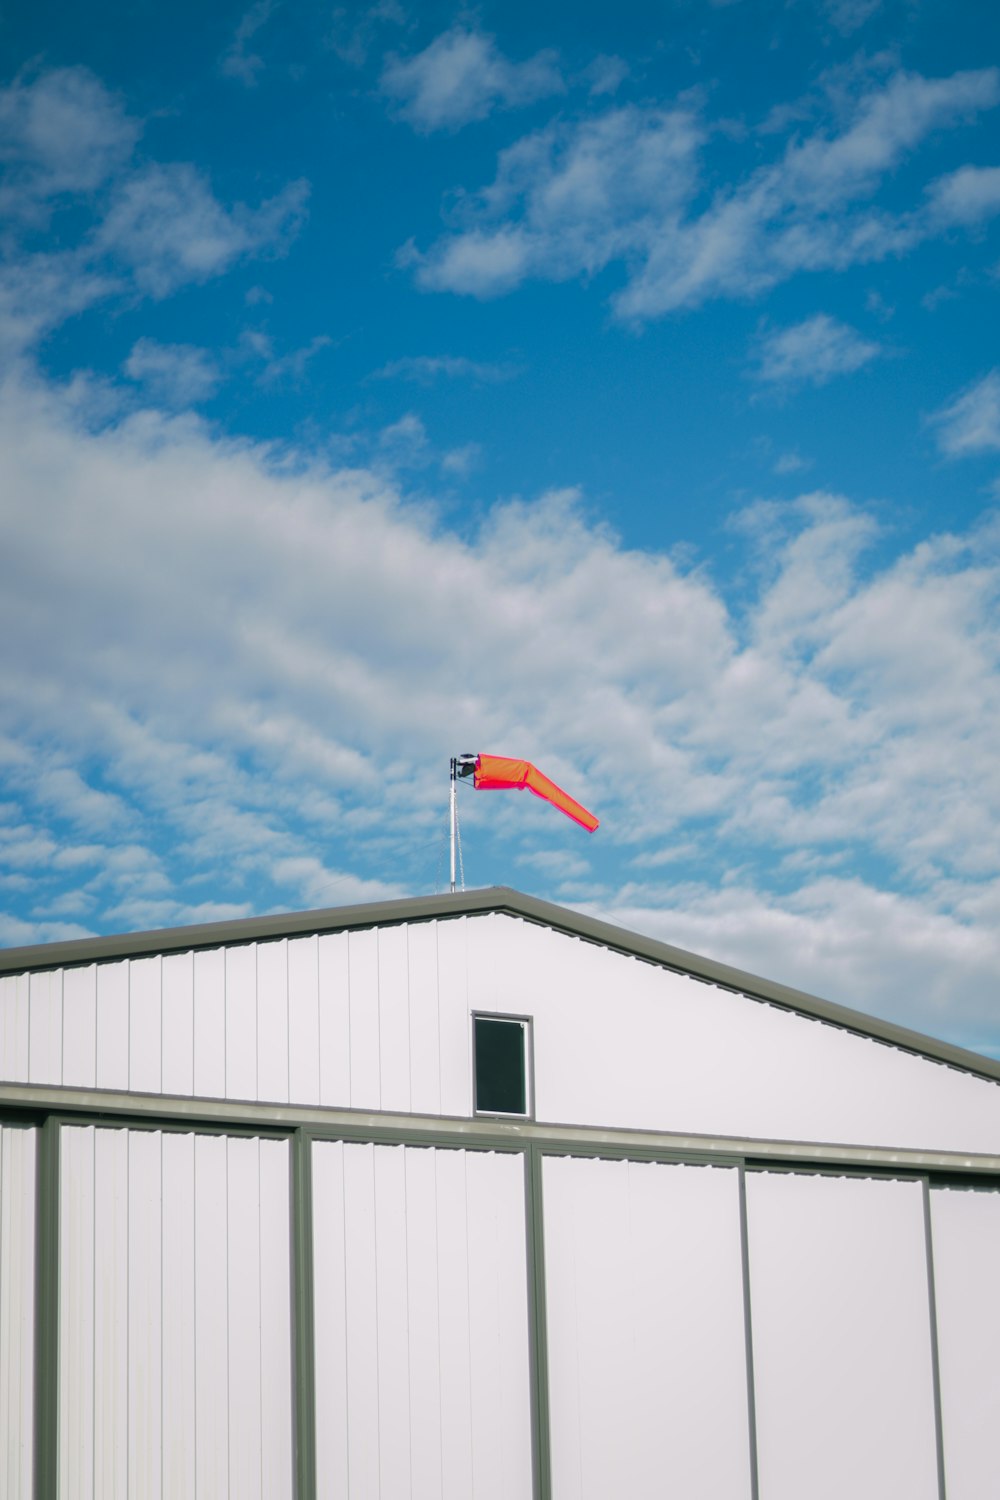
[(501, 1087)]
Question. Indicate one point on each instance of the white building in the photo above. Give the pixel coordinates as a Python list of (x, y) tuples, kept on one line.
[(472, 1198)]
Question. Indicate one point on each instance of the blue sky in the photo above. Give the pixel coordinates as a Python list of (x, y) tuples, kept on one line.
[(612, 386)]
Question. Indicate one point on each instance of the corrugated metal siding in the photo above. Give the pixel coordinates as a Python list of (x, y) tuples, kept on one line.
[(646, 1332), (18, 1149), (422, 1372), (372, 1019), (966, 1240), (619, 1042), (175, 1320), (378, 1018), (841, 1338)]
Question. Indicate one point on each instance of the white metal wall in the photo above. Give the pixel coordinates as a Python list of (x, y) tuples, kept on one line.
[(373, 1019), (646, 1331), (422, 1369), (175, 1372), (620, 1042), (966, 1240), (841, 1338), (379, 1019), (18, 1150)]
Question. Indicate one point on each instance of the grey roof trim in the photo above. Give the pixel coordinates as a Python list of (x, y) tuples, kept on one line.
[(496, 898)]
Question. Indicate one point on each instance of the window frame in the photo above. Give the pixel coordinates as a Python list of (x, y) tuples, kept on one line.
[(526, 1023)]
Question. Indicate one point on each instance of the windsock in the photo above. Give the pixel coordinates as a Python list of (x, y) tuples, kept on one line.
[(494, 773)]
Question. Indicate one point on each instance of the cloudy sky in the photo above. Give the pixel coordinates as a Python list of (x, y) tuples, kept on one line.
[(614, 386)]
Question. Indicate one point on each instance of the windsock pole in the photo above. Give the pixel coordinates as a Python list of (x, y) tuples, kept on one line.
[(453, 811)]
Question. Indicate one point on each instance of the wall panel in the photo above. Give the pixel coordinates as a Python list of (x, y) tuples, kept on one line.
[(272, 1022), (178, 1023), (174, 1317), (303, 1020), (80, 1027), (18, 1156), (45, 1024), (145, 1031), (334, 1021), (646, 1335), (966, 1239), (841, 1338), (422, 1372), (14, 1027)]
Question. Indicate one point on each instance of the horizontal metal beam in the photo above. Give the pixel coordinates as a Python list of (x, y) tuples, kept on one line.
[(103, 1106)]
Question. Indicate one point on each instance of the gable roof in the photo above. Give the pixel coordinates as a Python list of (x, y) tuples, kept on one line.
[(504, 900)]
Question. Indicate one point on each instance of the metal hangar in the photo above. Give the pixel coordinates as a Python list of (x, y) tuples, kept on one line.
[(469, 1197)]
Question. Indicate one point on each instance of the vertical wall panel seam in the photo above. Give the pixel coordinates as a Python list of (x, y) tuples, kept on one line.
[(163, 1425), (288, 1027), (128, 1271), (229, 1383), (6, 1397), (319, 1027), (343, 1228), (409, 1323), (468, 1320), (303, 1318), (537, 1329), (93, 1324), (260, 1325), (748, 1335), (378, 1012), (437, 1303), (350, 1040), (194, 1261), (437, 1007), (46, 1415), (935, 1361)]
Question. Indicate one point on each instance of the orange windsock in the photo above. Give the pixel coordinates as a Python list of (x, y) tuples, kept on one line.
[(498, 773)]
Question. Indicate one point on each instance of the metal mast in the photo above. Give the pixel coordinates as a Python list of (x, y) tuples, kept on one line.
[(461, 765)]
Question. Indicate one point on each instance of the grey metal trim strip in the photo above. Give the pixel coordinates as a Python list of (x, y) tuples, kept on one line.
[(935, 1361), (538, 1337), (47, 1313), (748, 1335), (303, 1318), (513, 903), (492, 1134)]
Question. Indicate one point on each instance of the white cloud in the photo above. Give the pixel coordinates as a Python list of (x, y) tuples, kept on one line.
[(624, 188), (175, 374), (425, 368), (355, 31), (849, 15), (967, 197), (290, 366), (580, 195), (971, 423), (147, 226), (461, 461), (272, 663), (814, 350), (462, 76), (404, 442), (605, 75), (61, 133), (790, 462), (237, 61), (168, 227)]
